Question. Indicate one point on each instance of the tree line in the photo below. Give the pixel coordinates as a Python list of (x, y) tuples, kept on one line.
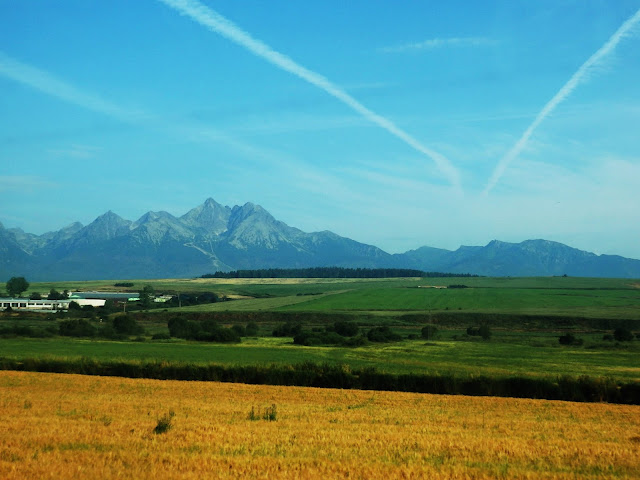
[(332, 272)]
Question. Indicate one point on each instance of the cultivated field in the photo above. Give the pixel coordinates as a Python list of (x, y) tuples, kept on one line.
[(69, 426)]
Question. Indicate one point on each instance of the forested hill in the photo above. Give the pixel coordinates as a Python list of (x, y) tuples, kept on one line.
[(330, 272)]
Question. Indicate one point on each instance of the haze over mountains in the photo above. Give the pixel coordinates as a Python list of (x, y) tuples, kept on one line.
[(213, 237)]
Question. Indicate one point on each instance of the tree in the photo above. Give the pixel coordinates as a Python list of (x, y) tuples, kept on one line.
[(346, 329), (16, 285), (146, 296), (622, 335), (429, 332), (35, 296), (55, 295), (126, 325)]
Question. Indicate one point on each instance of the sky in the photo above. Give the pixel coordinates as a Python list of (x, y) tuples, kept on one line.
[(396, 124)]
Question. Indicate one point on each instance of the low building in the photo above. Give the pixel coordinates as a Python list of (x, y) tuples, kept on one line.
[(34, 305)]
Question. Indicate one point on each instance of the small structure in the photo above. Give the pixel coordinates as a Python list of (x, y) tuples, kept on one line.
[(33, 305)]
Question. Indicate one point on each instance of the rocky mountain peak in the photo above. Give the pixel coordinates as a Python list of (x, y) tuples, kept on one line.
[(208, 218)]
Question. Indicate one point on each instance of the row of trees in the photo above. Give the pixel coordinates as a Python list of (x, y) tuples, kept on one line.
[(331, 272), (17, 285)]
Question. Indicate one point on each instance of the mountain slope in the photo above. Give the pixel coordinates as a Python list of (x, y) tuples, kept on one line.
[(213, 237), (528, 258)]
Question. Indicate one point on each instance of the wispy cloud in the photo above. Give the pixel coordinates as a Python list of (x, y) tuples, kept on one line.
[(628, 28), (24, 183), (222, 26), (435, 43), (80, 152), (58, 88), (51, 85)]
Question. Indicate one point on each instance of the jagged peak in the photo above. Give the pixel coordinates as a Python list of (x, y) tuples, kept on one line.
[(150, 215), (109, 215), (210, 202)]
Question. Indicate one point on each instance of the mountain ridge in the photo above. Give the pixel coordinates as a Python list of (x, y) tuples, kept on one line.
[(212, 237)]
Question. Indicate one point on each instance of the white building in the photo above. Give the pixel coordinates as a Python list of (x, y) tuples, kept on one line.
[(28, 304)]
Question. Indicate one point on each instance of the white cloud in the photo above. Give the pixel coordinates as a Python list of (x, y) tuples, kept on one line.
[(435, 43)]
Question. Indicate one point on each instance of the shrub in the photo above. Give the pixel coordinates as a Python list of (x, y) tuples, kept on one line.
[(382, 334), (126, 325), (178, 327), (429, 332), (346, 329), (270, 414), (164, 423), (622, 335), (240, 330), (288, 329), (482, 331), (251, 329), (160, 336), (485, 332), (74, 306), (77, 328), (569, 339)]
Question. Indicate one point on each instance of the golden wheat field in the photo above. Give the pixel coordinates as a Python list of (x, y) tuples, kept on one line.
[(72, 426)]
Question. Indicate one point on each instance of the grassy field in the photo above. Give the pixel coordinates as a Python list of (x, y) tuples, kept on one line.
[(532, 355), (586, 297), (518, 346), (70, 426)]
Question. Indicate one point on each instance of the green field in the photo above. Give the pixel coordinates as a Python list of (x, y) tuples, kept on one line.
[(560, 296), (526, 315), (493, 358)]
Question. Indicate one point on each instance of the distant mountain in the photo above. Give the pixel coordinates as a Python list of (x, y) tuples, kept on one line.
[(528, 258), (213, 237)]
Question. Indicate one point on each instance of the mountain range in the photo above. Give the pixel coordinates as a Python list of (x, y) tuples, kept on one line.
[(213, 237)]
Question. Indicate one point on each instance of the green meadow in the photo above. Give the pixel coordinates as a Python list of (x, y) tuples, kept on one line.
[(526, 315)]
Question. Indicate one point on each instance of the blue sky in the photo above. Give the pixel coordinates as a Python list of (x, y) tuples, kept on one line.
[(398, 124)]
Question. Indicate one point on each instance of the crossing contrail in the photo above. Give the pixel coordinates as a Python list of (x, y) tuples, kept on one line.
[(222, 26), (625, 29)]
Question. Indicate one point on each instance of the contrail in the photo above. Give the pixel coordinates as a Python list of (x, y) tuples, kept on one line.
[(49, 84), (219, 24), (625, 30), (439, 43)]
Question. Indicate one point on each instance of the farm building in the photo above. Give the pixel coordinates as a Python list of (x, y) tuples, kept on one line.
[(28, 304)]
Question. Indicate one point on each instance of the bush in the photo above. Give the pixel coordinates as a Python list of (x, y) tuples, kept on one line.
[(288, 329), (161, 336), (126, 325), (429, 332), (482, 331), (240, 330), (205, 331), (569, 339), (622, 335), (382, 334), (178, 327), (164, 423), (346, 329), (251, 329), (77, 328)]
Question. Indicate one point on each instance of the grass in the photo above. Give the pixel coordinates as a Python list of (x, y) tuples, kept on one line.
[(623, 303), (520, 346), (528, 355)]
